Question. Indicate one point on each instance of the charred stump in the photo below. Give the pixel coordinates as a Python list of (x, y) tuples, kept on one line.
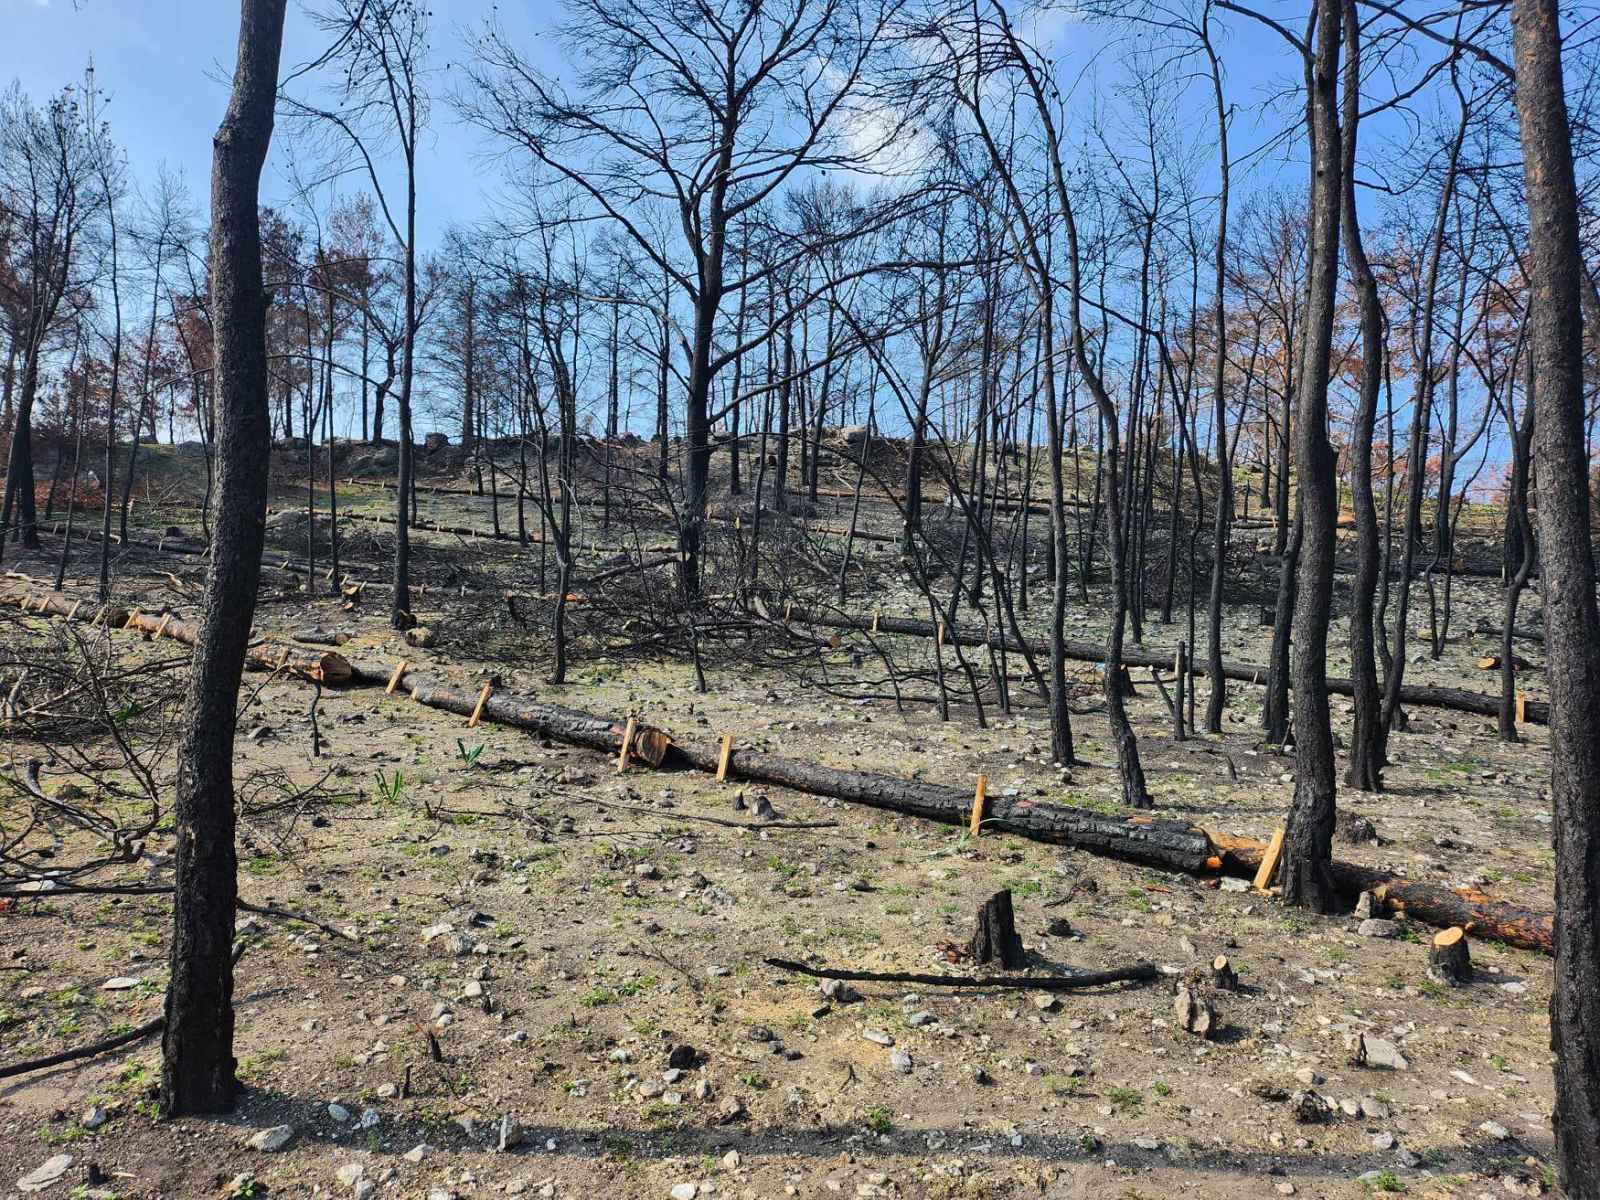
[(994, 937)]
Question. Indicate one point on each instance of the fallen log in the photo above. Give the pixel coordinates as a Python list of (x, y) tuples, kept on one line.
[(1171, 844), (1137, 973), (1453, 699), (327, 668)]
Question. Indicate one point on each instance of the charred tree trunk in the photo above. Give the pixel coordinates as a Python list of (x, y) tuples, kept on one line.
[(197, 1063), (1308, 842), (1572, 624)]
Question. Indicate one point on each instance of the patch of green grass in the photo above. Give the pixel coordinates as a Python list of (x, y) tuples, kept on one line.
[(596, 997), (1161, 1089), (1125, 1097), (1385, 1181), (877, 1119)]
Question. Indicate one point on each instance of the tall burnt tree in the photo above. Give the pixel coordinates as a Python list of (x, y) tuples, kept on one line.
[(1308, 842), (1572, 624), (197, 1063)]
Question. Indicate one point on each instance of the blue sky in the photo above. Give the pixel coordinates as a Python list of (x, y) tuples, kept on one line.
[(165, 63)]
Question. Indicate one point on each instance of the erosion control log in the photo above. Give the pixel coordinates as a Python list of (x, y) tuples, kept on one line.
[(326, 668), (1455, 699)]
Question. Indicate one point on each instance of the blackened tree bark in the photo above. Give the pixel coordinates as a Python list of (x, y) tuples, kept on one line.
[(1308, 842), (1572, 625), (1364, 770), (1219, 401), (197, 1064)]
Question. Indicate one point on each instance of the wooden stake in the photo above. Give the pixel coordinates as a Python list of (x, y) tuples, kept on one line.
[(876, 613), (477, 712), (941, 633), (627, 744), (75, 605), (133, 619), (161, 628), (1269, 860), (394, 680), (977, 805), (1522, 708), (788, 606), (723, 756)]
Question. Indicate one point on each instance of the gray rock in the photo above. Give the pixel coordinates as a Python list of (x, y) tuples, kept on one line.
[(1309, 1108), (350, 1174), (839, 991), (1495, 1130), (682, 1191), (269, 1140), (1377, 927), (1376, 1052), (918, 1019), (1383, 1141), (45, 1174), (1374, 1109), (339, 1112), (1308, 1077), (510, 1133), (94, 1118), (900, 1061), (877, 1036)]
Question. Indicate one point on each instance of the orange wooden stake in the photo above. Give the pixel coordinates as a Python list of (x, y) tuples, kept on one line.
[(76, 604), (627, 744), (1269, 860), (723, 756), (161, 628), (133, 619), (876, 613), (394, 680), (1522, 708), (977, 805), (477, 712)]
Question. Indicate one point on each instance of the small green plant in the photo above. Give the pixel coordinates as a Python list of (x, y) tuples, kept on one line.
[(1385, 1181), (597, 996), (469, 754), (390, 787), (877, 1119), (1124, 1097), (1161, 1089), (759, 1083), (245, 1188)]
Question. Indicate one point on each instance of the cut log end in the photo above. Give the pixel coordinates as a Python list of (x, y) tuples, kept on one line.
[(1449, 961), (1223, 977)]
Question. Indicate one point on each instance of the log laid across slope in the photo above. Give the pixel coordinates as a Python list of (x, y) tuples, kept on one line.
[(1454, 699), (326, 667), (1170, 844)]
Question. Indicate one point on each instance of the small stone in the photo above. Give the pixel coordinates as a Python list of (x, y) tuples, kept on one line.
[(269, 1140), (1308, 1077), (45, 1174), (877, 1037), (120, 983), (1309, 1108), (1377, 927), (417, 1153), (339, 1112), (760, 1033), (1286, 1189), (683, 1191), (1494, 1130), (839, 991), (900, 1061), (1374, 1109), (1377, 1052), (1383, 1141), (682, 1057), (1366, 906), (1045, 1002), (918, 1019), (510, 1134), (1147, 1143), (94, 1117), (731, 1160), (350, 1173)]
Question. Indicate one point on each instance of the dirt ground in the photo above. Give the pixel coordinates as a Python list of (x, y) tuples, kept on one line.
[(586, 956)]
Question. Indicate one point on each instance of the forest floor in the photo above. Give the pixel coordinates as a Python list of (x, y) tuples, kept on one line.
[(563, 931)]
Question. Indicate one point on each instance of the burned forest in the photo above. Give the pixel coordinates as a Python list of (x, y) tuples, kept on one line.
[(755, 598)]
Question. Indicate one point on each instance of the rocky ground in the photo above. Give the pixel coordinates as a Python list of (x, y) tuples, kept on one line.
[(532, 975)]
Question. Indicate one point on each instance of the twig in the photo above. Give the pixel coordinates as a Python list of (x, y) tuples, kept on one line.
[(1138, 972), (678, 816), (154, 1025)]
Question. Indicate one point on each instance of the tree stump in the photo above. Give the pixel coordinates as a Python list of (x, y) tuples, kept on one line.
[(994, 937), (1194, 1012), (1449, 961), (1223, 976)]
